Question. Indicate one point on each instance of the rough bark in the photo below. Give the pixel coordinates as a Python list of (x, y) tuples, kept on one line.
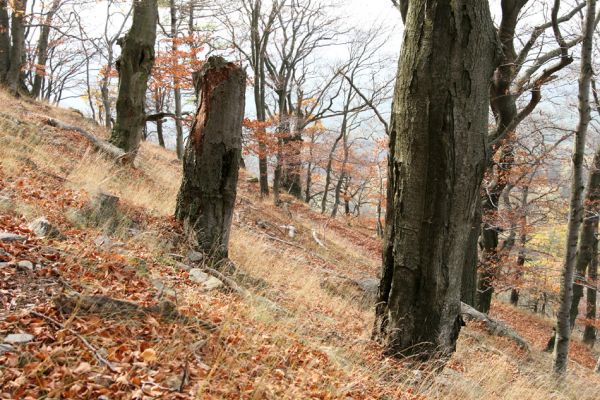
[(589, 332), (587, 235), (563, 328), (4, 41), (17, 33), (42, 50), (468, 288), (436, 163), (134, 66), (211, 158)]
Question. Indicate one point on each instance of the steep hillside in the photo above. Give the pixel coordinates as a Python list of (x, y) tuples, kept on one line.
[(302, 332)]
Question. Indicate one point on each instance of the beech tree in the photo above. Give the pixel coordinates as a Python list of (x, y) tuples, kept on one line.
[(436, 164), (563, 328), (134, 66), (211, 159), (12, 43)]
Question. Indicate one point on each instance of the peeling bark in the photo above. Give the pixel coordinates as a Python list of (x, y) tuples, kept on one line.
[(211, 158)]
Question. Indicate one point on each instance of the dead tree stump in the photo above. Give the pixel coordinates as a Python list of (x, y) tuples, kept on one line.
[(212, 157)]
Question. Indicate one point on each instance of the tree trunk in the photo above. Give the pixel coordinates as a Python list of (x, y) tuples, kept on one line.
[(4, 41), (468, 288), (134, 66), (17, 31), (42, 50), (587, 235), (514, 293), (589, 332), (563, 328), (436, 164), (177, 89), (211, 158)]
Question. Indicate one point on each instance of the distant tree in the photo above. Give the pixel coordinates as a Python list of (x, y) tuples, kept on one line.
[(436, 164)]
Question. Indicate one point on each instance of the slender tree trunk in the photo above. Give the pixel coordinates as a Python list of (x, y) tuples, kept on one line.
[(436, 164), (134, 66), (42, 50), (589, 332), (17, 30), (211, 159), (563, 328), (587, 235), (328, 169), (177, 89), (514, 293), (4, 41)]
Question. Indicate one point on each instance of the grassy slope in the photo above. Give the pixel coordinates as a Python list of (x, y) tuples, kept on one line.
[(320, 349)]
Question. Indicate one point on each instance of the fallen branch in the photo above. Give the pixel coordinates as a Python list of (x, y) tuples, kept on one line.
[(493, 327), (107, 148), (87, 344), (319, 242)]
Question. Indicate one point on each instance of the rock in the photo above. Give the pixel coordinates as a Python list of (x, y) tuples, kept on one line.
[(252, 179), (163, 289), (370, 286), (11, 237), (4, 253), (4, 264), (182, 266), (208, 282), (106, 243), (5, 348), (43, 228), (195, 256), (25, 265), (173, 382), (17, 338)]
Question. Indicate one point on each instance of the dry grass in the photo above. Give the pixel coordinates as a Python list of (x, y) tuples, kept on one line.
[(322, 344)]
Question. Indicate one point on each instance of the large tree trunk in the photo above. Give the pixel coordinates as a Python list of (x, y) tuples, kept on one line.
[(4, 41), (134, 66), (211, 158), (17, 32), (468, 288), (563, 328), (42, 50), (587, 235), (436, 164)]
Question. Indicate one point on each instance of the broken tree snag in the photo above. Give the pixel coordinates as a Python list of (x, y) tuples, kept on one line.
[(212, 157), (134, 66)]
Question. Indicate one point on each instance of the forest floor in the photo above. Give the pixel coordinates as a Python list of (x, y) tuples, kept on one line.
[(303, 333)]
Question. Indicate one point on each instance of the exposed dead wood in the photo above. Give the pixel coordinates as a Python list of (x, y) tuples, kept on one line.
[(319, 242), (87, 344), (107, 148), (492, 326)]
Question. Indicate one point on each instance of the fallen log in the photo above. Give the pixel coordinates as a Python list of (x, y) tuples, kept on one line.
[(492, 326), (107, 148)]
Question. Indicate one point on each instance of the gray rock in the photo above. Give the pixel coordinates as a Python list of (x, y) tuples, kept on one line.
[(4, 253), (163, 289), (5, 348), (16, 338), (195, 256), (106, 243), (182, 266), (11, 237), (43, 228), (208, 282), (4, 264), (370, 286), (25, 265)]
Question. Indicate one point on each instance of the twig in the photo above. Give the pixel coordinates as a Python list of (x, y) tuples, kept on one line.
[(184, 377), (319, 242), (87, 344)]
